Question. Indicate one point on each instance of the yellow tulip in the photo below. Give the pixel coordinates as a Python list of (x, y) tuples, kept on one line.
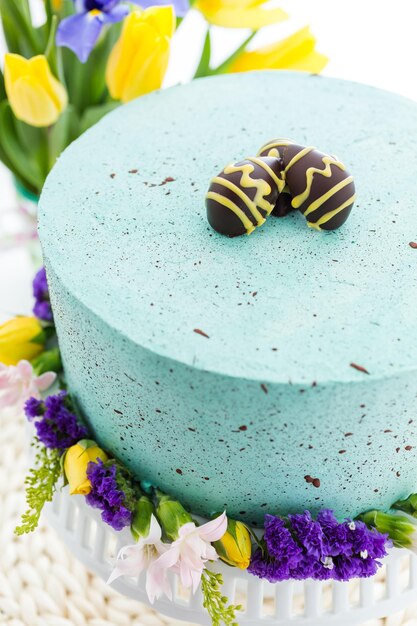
[(240, 13), (296, 52), (35, 95), (235, 547), (139, 60), (76, 461), (21, 338)]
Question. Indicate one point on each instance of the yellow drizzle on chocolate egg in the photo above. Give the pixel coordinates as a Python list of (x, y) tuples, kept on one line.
[(249, 190)]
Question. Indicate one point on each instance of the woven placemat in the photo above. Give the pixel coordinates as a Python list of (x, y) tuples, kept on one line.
[(42, 584)]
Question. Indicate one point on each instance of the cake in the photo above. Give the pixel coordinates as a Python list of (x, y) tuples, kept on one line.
[(269, 373)]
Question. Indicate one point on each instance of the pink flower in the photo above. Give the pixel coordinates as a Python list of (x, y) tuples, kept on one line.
[(19, 382), (133, 560), (186, 556)]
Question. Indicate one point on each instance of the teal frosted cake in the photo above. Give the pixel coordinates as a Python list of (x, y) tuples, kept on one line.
[(269, 373)]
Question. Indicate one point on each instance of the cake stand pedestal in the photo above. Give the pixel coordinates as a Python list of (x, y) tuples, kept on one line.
[(305, 603)]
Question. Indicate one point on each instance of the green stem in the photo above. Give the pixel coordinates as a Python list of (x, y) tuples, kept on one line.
[(224, 67), (49, 12), (203, 68), (51, 51)]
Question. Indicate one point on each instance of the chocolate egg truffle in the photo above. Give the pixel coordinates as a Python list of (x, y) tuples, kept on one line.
[(320, 186), (241, 197)]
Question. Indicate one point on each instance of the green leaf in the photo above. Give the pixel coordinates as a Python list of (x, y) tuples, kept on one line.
[(62, 134), (94, 114), (14, 139), (10, 34), (18, 18), (51, 51), (3, 94), (86, 82), (40, 486), (203, 68)]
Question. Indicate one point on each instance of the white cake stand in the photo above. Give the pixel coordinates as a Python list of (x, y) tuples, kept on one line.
[(302, 603)]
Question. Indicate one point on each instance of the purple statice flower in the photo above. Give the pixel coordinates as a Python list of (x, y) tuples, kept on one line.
[(80, 32), (42, 308), (301, 547), (308, 532), (346, 568), (366, 541), (280, 543), (269, 568), (336, 539), (56, 425), (106, 495)]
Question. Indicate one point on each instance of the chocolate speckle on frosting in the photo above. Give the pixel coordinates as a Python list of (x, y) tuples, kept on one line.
[(360, 368)]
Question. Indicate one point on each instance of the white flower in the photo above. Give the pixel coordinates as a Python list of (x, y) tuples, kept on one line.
[(134, 559), (186, 556), (327, 562), (19, 382)]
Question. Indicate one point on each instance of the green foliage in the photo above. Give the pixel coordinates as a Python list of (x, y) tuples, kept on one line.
[(23, 149), (203, 68), (40, 486), (3, 95), (62, 134), (21, 36), (127, 484), (215, 603), (94, 114)]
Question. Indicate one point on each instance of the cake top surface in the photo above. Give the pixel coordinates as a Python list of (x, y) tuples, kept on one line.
[(123, 224)]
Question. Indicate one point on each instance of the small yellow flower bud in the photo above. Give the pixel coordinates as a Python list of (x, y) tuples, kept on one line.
[(76, 461), (139, 60), (235, 547), (35, 95), (21, 338)]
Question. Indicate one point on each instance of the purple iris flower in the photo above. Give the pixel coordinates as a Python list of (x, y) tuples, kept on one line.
[(80, 32), (181, 6)]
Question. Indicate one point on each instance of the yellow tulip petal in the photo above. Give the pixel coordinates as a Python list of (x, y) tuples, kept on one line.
[(32, 104), (118, 66), (162, 19), (296, 52), (14, 67), (40, 67), (147, 75), (139, 60), (35, 95), (15, 354), (252, 15), (16, 340)]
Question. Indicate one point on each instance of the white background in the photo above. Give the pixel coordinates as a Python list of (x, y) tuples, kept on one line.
[(370, 41)]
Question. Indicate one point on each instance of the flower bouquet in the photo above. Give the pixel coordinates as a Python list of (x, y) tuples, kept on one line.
[(88, 56)]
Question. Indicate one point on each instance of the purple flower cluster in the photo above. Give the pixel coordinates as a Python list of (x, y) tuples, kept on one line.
[(56, 425), (302, 547), (42, 309), (106, 495)]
